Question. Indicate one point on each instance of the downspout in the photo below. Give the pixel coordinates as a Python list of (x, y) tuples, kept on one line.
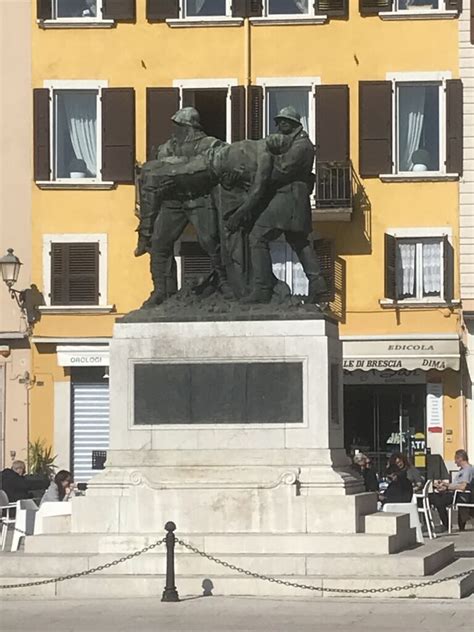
[(247, 65)]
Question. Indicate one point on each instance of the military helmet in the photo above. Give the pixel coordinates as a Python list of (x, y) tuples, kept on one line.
[(187, 116), (290, 114)]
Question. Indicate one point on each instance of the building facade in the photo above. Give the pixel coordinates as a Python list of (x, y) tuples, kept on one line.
[(15, 223), (387, 123)]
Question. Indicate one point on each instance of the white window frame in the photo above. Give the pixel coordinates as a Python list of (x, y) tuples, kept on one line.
[(419, 13), (55, 238), (441, 8), (420, 78), (419, 235), (76, 85), (77, 20), (209, 84), (204, 18), (292, 82), (266, 11)]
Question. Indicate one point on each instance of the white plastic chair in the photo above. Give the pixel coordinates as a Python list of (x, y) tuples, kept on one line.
[(51, 509), (412, 510), (425, 508), (455, 507), (24, 522), (6, 508)]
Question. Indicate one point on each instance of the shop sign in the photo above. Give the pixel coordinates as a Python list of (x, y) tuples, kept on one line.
[(83, 357), (395, 355)]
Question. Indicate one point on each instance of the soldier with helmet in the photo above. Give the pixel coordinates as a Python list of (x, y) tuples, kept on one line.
[(165, 212)]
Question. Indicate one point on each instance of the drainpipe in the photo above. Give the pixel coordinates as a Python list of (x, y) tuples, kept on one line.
[(247, 63)]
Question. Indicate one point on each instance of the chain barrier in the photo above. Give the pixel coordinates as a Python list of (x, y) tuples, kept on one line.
[(96, 569), (282, 582)]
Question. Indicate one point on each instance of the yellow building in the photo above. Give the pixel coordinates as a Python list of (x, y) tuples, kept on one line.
[(376, 83)]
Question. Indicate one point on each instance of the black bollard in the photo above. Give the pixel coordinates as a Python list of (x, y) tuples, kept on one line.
[(170, 593)]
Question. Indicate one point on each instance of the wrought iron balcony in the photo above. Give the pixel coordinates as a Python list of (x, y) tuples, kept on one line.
[(334, 189)]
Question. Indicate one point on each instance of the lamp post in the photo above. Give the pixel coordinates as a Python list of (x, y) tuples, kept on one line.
[(10, 268)]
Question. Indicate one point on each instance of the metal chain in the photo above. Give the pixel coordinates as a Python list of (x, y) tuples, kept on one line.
[(63, 578), (361, 591)]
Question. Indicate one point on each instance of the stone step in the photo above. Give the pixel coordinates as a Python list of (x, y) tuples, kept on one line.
[(417, 562), (120, 586), (389, 523), (237, 543)]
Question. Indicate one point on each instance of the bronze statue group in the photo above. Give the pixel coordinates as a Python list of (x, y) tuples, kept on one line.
[(239, 197)]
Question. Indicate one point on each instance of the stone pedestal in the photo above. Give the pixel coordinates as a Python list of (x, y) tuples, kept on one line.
[(225, 427)]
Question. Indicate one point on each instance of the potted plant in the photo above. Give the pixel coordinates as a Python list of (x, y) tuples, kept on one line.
[(78, 168), (420, 159)]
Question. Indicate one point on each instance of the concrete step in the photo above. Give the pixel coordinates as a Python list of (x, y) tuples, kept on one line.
[(389, 523), (120, 586), (417, 562), (237, 543)]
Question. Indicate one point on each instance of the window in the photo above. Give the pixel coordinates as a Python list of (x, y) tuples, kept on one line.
[(418, 126), (211, 103), (287, 7), (418, 5), (75, 135), (76, 8), (206, 8), (278, 98), (418, 268), (306, 8), (404, 8), (75, 270)]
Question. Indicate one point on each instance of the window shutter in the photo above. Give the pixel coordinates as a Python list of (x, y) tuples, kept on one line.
[(454, 126), (118, 135), (41, 132), (332, 8), (375, 128), (454, 5), (332, 123), (119, 10), (188, 98), (74, 273), (161, 104), (391, 267), (160, 10), (448, 257), (44, 9), (373, 7), (254, 112), (325, 252), (246, 8), (472, 21), (195, 261), (237, 98)]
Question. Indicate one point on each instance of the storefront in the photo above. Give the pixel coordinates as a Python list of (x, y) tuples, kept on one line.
[(399, 396)]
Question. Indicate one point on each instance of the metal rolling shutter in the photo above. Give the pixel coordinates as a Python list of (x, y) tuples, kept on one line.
[(90, 428)]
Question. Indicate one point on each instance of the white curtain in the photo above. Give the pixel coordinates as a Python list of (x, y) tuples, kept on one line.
[(81, 115), (432, 268), (302, 5), (405, 270), (280, 98), (299, 281), (411, 116), (278, 253)]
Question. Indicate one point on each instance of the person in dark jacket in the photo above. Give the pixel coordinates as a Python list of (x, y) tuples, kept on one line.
[(361, 465), (16, 485), (400, 489)]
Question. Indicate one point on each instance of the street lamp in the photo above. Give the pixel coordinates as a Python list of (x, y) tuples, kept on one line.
[(10, 267)]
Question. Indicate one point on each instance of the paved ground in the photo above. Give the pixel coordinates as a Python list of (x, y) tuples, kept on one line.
[(237, 614)]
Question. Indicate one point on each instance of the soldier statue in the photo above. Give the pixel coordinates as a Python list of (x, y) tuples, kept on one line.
[(285, 208), (166, 209)]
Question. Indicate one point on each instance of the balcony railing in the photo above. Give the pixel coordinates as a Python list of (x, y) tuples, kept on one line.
[(334, 189)]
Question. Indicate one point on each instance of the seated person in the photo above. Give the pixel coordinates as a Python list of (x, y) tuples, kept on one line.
[(399, 460), (60, 490), (443, 495), (361, 465), (16, 485), (400, 489)]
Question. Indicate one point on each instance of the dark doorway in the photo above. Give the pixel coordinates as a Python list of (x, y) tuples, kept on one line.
[(211, 104)]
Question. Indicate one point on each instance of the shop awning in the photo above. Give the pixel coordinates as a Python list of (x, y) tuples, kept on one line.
[(438, 352)]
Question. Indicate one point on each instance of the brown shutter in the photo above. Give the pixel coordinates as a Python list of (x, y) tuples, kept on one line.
[(195, 261), (160, 10), (375, 128), (161, 104), (332, 8), (41, 129), (454, 126), (325, 252), (454, 5), (119, 10), (74, 273), (44, 9), (373, 7), (332, 123), (391, 267), (118, 135), (246, 8), (188, 100), (472, 21), (254, 112), (237, 99), (448, 257)]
